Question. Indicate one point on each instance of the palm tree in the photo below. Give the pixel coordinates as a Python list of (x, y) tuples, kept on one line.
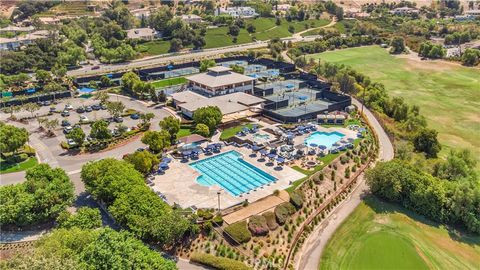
[(51, 125)]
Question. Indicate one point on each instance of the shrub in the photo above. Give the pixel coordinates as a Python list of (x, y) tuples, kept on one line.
[(204, 214), (258, 225), (218, 262), (271, 222), (238, 231), (30, 151), (296, 198), (283, 211), (218, 220)]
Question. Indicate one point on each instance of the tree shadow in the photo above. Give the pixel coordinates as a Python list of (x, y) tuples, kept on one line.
[(456, 232)]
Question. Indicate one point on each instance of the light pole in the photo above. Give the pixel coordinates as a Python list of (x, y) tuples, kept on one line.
[(218, 195)]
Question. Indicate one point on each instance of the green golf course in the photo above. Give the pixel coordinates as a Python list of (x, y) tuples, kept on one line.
[(448, 94), (379, 235)]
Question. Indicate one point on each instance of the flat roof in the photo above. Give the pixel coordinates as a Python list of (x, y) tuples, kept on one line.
[(219, 69), (220, 76), (230, 103), (187, 96)]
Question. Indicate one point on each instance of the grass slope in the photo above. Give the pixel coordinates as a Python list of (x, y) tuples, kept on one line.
[(379, 235), (448, 94), (9, 168), (169, 82)]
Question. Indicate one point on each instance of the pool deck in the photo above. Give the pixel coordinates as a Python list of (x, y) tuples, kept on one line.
[(347, 132), (179, 184)]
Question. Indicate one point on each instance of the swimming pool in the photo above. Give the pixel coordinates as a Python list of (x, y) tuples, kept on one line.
[(229, 171), (324, 138)]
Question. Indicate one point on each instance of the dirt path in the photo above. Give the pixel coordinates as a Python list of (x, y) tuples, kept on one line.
[(330, 24)]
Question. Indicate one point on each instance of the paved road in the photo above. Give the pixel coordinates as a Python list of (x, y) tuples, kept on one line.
[(177, 57), (309, 257)]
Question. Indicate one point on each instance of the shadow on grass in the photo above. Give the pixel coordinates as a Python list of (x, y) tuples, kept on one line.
[(456, 232)]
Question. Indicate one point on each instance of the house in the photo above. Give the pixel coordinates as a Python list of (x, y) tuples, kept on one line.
[(473, 13), (141, 13), (141, 33), (19, 41), (220, 81), (191, 18), (404, 11), (237, 12)]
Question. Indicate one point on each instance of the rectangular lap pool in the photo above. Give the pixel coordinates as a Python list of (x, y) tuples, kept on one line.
[(229, 171), (324, 138)]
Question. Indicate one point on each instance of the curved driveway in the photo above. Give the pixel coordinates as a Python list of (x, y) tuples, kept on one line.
[(309, 256)]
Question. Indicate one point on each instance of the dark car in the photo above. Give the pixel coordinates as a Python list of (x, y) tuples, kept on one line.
[(88, 109), (65, 123), (118, 119), (135, 116), (95, 67), (96, 107), (53, 109), (80, 110), (65, 113)]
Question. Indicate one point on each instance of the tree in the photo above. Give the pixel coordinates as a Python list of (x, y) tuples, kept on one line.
[(12, 110), (105, 81), (146, 117), (233, 30), (115, 108), (43, 76), (339, 13), (102, 96), (398, 45), (128, 80), (77, 135), (172, 125), (160, 18), (471, 57), (202, 130), (291, 29), (251, 28), (143, 161), (100, 130), (156, 140), (205, 64), (12, 138), (45, 193), (459, 165), (238, 69), (59, 71), (426, 141), (198, 42), (175, 45), (210, 116), (51, 125), (84, 218), (31, 108), (346, 83)]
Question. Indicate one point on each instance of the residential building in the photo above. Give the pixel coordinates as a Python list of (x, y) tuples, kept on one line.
[(404, 11), (191, 18), (237, 12), (220, 81), (17, 29), (141, 33), (473, 12), (142, 12), (19, 41)]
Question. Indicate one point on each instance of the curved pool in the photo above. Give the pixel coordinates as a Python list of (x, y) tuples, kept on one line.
[(324, 138)]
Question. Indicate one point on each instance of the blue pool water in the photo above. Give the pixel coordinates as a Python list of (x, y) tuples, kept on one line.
[(229, 171), (324, 138)]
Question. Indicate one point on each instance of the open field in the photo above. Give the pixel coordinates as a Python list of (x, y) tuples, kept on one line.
[(379, 235), (169, 82), (448, 94)]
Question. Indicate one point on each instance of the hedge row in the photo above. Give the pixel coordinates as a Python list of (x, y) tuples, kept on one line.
[(219, 263), (283, 211), (271, 221), (238, 231), (258, 225), (296, 198)]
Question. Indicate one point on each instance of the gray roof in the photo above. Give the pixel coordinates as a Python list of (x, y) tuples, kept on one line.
[(187, 96), (219, 69), (227, 104), (140, 33), (219, 77)]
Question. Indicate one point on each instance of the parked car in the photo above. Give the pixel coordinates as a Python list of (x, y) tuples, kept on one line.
[(95, 67), (135, 116), (96, 107), (40, 103), (68, 107), (65, 123), (65, 113), (80, 110), (47, 103), (118, 119), (103, 106), (71, 142), (53, 109), (88, 109), (83, 118), (67, 129)]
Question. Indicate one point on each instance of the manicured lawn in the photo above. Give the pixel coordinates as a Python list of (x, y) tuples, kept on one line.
[(379, 235), (185, 131), (219, 37), (267, 29), (9, 168), (155, 47), (169, 82), (448, 94), (230, 132)]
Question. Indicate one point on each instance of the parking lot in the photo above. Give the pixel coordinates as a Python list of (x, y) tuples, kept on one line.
[(95, 113)]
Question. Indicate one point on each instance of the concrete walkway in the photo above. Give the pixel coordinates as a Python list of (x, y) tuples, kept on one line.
[(310, 255)]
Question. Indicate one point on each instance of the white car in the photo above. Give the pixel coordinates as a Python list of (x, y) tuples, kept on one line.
[(68, 107), (83, 118), (71, 142)]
